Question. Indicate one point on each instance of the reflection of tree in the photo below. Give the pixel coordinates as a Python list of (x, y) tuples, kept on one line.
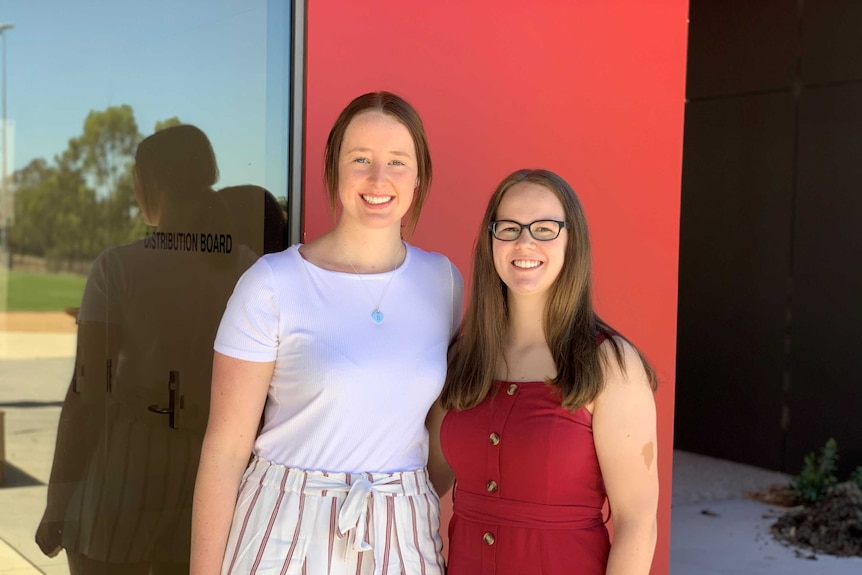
[(69, 209), (167, 123), (53, 207)]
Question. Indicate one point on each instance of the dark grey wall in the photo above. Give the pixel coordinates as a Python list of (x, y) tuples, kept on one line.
[(770, 323)]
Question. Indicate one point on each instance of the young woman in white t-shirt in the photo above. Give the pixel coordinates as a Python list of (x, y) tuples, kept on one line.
[(341, 344)]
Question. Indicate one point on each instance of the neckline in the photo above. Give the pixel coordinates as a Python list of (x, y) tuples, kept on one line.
[(380, 275), (503, 382)]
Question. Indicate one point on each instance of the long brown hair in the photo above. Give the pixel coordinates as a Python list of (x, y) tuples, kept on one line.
[(572, 328), (397, 107)]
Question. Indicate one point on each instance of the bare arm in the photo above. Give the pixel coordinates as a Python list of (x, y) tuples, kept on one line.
[(239, 391), (442, 477), (439, 471), (624, 431)]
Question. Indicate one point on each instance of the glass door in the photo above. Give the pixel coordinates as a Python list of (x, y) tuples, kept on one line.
[(151, 167)]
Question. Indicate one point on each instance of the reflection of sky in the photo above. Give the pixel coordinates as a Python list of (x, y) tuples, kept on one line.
[(204, 61)]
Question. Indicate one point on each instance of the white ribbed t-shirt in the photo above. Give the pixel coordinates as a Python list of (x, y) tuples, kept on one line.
[(347, 394)]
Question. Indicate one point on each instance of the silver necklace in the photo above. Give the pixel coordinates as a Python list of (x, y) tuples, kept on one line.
[(377, 315)]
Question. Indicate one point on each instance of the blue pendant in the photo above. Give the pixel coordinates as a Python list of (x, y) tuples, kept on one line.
[(377, 316)]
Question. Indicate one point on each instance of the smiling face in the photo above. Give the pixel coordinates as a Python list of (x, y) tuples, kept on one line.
[(527, 266), (377, 171)]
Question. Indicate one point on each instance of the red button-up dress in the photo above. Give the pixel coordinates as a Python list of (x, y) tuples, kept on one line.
[(529, 494)]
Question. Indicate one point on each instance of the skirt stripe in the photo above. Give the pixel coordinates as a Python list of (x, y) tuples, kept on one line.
[(265, 538), (416, 535), (290, 553), (398, 544), (438, 558), (388, 546), (245, 521), (332, 527)]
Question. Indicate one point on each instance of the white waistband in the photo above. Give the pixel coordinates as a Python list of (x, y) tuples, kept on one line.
[(359, 488)]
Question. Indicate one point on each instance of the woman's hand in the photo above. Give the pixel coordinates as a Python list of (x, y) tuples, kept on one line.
[(49, 534)]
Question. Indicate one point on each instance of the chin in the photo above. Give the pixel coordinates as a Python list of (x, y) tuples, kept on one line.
[(531, 291), (381, 223)]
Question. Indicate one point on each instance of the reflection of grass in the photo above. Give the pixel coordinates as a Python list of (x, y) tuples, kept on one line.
[(4, 285), (44, 292)]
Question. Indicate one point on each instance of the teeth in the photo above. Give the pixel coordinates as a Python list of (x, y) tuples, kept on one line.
[(526, 264), (376, 200)]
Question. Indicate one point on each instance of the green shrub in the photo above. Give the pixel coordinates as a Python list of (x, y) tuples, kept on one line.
[(818, 473), (856, 476)]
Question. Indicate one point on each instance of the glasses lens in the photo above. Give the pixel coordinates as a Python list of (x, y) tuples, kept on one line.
[(545, 230), (506, 231)]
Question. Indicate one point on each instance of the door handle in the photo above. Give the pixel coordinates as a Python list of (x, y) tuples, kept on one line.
[(160, 410), (175, 401)]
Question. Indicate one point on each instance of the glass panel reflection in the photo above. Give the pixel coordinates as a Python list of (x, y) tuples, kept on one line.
[(149, 172)]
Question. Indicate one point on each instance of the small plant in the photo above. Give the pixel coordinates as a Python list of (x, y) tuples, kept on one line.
[(817, 477), (856, 476)]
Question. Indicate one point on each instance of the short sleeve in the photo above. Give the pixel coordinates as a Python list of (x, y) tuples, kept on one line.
[(250, 325), (457, 298), (100, 302)]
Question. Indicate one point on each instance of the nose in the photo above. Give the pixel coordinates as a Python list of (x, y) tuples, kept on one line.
[(525, 239), (377, 174)]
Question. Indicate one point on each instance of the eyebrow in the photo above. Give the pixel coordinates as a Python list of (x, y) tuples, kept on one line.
[(366, 150)]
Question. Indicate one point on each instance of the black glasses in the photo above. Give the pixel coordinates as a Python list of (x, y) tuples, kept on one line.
[(541, 230)]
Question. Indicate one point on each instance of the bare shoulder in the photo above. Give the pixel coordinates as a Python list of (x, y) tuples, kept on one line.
[(311, 251), (619, 376), (629, 372), (625, 407), (320, 253)]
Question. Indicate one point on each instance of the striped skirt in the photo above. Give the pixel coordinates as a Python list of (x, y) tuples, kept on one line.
[(290, 521)]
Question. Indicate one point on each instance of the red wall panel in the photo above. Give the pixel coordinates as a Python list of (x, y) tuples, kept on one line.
[(592, 90)]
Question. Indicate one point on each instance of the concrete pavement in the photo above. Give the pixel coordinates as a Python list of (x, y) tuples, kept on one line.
[(716, 530), (31, 394), (34, 375), (13, 563)]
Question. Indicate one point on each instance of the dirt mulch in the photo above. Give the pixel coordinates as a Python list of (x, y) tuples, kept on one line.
[(832, 526), (780, 495), (38, 321)]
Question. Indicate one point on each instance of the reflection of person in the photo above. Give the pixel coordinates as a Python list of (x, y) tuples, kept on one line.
[(550, 409), (252, 205), (341, 343), (119, 500)]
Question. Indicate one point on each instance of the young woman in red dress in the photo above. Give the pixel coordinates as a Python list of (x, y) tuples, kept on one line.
[(550, 410)]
